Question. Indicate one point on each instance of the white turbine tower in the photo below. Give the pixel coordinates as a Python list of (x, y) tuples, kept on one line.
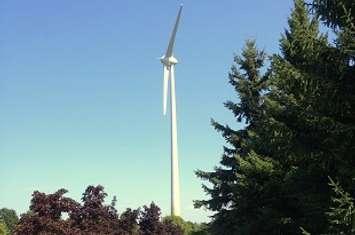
[(169, 62)]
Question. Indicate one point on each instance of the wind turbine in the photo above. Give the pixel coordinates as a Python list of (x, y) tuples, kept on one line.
[(169, 61)]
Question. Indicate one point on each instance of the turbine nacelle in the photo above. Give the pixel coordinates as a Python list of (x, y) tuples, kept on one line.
[(168, 61)]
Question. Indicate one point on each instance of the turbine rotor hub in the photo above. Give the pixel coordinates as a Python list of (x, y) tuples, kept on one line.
[(169, 60)]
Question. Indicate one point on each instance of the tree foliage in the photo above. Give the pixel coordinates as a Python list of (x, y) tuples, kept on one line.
[(299, 129), (3, 228), (180, 226), (149, 222), (9, 218), (342, 212), (57, 214), (45, 214), (129, 221), (334, 13)]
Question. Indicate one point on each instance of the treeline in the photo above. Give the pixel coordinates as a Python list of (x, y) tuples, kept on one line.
[(291, 170), (59, 215)]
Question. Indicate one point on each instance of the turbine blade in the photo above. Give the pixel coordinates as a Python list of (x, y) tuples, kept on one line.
[(165, 88), (169, 51)]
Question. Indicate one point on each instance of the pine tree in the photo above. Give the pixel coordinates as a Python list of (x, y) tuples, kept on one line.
[(313, 80), (340, 16), (233, 195), (300, 129), (334, 13), (342, 212)]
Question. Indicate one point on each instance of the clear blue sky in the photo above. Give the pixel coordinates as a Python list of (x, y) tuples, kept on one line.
[(81, 93)]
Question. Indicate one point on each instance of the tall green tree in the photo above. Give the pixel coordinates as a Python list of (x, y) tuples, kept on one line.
[(300, 129), (232, 196), (334, 13), (340, 15), (313, 82)]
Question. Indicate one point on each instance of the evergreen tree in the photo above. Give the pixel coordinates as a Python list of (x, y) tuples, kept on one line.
[(313, 84), (340, 15), (300, 129), (335, 13), (342, 212), (233, 196)]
